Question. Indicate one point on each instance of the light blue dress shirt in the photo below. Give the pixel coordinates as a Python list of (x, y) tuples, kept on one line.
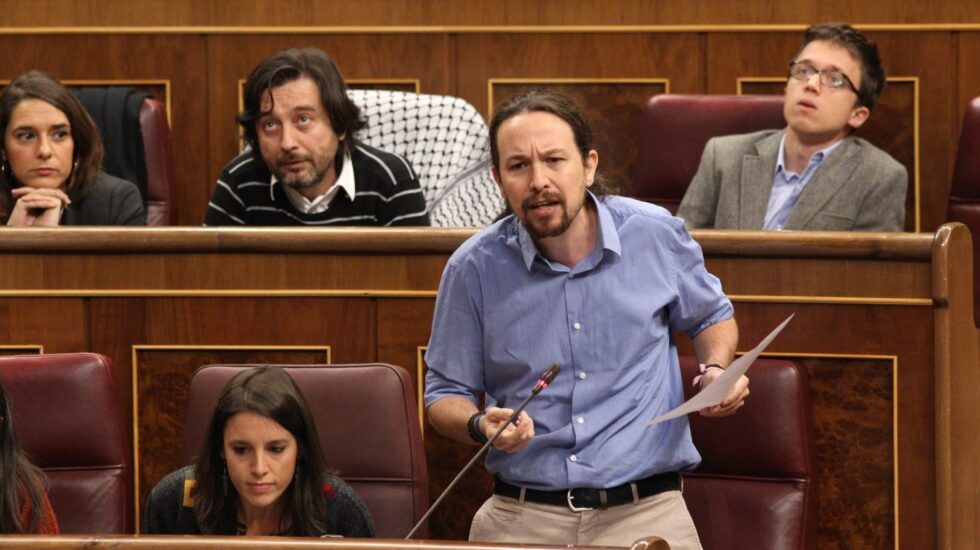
[(504, 314), (788, 186)]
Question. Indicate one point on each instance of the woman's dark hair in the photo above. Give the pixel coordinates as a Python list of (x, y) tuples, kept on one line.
[(560, 105), (85, 136), (21, 483), (293, 64), (272, 393)]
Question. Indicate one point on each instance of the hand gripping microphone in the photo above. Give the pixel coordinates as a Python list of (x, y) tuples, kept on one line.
[(541, 384)]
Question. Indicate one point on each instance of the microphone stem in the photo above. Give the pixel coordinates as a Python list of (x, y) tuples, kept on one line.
[(513, 418)]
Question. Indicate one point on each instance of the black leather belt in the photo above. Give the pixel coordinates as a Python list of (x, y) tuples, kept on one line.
[(578, 500)]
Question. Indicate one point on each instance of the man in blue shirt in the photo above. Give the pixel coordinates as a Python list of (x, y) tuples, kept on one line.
[(595, 283), (813, 175)]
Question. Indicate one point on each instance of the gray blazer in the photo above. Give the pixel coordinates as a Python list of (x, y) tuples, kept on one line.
[(857, 188)]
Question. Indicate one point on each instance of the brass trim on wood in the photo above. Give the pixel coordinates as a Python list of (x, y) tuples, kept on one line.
[(219, 293), (471, 29), (38, 348), (841, 300), (380, 293)]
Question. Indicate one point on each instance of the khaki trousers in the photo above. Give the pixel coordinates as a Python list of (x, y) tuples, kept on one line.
[(503, 519)]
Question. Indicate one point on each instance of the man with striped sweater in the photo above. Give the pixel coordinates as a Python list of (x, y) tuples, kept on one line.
[(303, 165)]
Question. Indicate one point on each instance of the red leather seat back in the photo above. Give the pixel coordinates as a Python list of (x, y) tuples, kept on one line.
[(67, 418), (367, 419), (161, 186), (675, 129), (964, 194), (757, 480)]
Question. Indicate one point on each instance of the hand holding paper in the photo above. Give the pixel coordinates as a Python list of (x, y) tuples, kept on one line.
[(716, 391)]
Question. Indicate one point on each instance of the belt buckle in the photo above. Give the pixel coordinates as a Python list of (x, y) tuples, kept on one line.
[(572, 507)]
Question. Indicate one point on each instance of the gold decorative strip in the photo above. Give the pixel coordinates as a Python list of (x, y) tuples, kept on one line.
[(420, 384), (843, 300), (178, 347), (168, 293), (473, 29), (376, 293), (28, 349), (756, 79)]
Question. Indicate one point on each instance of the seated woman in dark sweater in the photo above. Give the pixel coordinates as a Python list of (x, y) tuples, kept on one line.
[(260, 471), (24, 505), (50, 160)]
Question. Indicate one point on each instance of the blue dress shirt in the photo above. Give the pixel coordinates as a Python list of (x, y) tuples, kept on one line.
[(788, 186), (504, 313)]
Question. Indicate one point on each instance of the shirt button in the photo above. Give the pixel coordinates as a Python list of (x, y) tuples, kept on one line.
[(574, 458), (576, 325), (580, 420), (581, 376)]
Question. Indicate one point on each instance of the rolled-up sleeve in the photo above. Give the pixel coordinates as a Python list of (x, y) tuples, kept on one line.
[(700, 301), (455, 352)]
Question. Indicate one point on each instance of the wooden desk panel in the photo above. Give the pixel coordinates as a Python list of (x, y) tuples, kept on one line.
[(254, 543), (883, 326)]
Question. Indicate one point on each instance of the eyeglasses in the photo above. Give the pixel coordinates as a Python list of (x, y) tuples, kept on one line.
[(803, 71)]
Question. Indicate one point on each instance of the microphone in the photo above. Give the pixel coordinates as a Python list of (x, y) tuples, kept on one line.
[(542, 383)]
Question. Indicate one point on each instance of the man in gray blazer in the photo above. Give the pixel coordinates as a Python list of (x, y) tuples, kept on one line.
[(812, 175)]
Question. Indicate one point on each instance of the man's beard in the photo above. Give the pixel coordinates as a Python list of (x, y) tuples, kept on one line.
[(300, 180), (547, 229)]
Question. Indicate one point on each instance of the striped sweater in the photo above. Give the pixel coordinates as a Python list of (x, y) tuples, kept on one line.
[(387, 194)]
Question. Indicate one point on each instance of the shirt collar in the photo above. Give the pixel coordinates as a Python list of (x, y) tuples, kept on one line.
[(817, 157), (345, 181), (606, 235)]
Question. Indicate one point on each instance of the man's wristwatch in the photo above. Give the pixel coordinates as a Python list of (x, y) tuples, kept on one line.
[(476, 434)]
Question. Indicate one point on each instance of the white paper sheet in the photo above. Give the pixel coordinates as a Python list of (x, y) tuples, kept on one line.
[(716, 391)]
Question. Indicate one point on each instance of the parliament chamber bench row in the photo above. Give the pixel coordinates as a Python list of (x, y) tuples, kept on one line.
[(757, 471), (883, 331), (456, 181)]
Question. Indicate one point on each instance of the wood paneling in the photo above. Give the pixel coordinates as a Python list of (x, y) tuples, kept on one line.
[(180, 59), (857, 505), (936, 81), (482, 57), (967, 86), (272, 13), (882, 324)]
